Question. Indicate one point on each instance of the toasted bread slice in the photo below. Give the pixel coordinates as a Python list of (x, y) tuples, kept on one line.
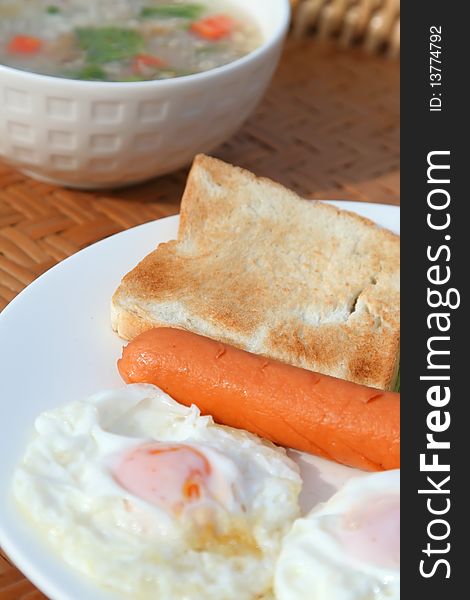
[(260, 268)]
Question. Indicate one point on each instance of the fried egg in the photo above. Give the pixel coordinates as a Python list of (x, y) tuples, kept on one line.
[(347, 548), (150, 498)]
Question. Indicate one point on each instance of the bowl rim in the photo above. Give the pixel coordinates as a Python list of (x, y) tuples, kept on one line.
[(271, 41)]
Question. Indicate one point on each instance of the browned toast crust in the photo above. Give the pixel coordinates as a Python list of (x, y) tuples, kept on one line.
[(258, 267)]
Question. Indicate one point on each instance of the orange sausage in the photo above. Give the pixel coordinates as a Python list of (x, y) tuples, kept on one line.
[(346, 422)]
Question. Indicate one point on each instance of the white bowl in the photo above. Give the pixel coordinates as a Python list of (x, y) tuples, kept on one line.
[(96, 134)]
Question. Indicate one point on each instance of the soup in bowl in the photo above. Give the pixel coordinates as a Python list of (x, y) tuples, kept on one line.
[(121, 105), (124, 40)]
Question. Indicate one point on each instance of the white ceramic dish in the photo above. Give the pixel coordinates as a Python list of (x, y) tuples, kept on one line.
[(98, 134), (57, 346)]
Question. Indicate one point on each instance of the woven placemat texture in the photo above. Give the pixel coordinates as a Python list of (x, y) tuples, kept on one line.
[(327, 128), (13, 584)]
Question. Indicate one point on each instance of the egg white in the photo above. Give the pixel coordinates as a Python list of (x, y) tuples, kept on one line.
[(314, 563), (65, 486)]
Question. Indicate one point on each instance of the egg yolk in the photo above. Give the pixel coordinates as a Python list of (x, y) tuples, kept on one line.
[(170, 476), (372, 533)]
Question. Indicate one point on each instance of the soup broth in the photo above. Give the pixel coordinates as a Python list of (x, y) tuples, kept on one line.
[(123, 40)]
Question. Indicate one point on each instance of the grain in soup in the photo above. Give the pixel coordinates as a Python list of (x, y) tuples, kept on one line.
[(123, 40)]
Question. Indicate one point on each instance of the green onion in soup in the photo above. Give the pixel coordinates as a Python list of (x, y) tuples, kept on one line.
[(123, 40)]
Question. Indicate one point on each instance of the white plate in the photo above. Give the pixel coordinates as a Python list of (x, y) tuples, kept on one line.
[(56, 345)]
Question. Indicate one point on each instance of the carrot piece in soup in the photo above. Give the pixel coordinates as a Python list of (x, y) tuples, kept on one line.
[(214, 28), (24, 44), (144, 62)]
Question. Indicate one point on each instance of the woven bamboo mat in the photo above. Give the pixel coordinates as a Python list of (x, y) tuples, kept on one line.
[(327, 128)]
